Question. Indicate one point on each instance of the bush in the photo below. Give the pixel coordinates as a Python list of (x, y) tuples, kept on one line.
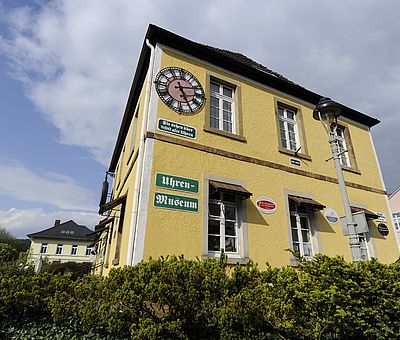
[(76, 269), (175, 298)]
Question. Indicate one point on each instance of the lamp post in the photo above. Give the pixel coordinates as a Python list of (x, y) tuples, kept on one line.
[(327, 111)]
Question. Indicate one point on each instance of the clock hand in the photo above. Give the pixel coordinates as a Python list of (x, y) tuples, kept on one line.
[(183, 95)]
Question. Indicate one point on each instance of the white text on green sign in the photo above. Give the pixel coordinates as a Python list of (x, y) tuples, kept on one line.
[(176, 128), (175, 202), (177, 183)]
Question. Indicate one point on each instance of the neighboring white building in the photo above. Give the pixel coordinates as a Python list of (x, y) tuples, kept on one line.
[(394, 202), (64, 242)]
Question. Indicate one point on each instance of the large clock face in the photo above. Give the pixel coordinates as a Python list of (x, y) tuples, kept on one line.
[(179, 90)]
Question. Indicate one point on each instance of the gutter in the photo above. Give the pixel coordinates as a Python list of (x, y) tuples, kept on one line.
[(140, 164)]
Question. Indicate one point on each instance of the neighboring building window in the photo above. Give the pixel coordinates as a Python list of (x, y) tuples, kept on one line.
[(301, 229), (74, 249), (288, 128), (222, 107), (43, 248), (341, 142), (396, 219), (88, 250), (223, 223), (59, 249)]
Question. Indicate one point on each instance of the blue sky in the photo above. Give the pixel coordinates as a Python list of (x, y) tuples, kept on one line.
[(66, 67)]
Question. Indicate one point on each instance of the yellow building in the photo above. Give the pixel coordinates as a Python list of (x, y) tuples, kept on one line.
[(64, 242), (217, 152)]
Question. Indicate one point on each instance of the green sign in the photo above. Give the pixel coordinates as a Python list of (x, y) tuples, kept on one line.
[(177, 183), (176, 128), (168, 201)]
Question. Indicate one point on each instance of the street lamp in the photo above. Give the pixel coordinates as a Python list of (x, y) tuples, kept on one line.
[(327, 111)]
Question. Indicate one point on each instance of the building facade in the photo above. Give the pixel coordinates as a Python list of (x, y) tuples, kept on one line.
[(394, 201), (217, 152), (64, 242)]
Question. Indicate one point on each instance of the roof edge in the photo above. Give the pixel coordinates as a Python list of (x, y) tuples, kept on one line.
[(157, 34)]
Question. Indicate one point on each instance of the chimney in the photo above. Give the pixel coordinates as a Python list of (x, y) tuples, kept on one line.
[(57, 222)]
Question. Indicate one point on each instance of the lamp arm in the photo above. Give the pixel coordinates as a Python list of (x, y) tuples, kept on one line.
[(325, 125)]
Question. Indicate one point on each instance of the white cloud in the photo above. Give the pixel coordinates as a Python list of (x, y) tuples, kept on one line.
[(50, 188), (20, 222), (77, 58)]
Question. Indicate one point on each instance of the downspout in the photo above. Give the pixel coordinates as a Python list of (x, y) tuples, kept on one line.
[(139, 166)]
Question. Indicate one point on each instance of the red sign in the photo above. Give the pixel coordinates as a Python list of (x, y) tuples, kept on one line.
[(266, 205)]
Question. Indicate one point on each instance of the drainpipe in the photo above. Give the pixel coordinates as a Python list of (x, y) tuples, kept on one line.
[(139, 166)]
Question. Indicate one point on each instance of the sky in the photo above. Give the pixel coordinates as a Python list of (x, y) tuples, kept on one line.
[(66, 68)]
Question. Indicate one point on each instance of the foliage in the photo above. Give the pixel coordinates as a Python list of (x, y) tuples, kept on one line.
[(7, 253), (21, 245), (174, 298), (74, 268)]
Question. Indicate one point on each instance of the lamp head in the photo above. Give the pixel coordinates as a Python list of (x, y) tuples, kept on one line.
[(327, 109)]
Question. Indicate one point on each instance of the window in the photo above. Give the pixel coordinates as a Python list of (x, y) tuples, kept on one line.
[(288, 128), (59, 249), (363, 239), (43, 248), (300, 226), (223, 223), (88, 250), (74, 250), (341, 142), (222, 107), (396, 219)]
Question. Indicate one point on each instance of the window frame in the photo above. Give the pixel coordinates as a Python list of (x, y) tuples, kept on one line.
[(350, 154), (60, 247), (237, 130), (88, 251), (300, 135), (223, 204), (286, 121), (308, 216), (396, 221), (74, 250), (45, 247), (222, 98), (242, 257)]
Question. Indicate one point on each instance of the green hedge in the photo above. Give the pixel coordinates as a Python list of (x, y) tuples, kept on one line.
[(175, 298)]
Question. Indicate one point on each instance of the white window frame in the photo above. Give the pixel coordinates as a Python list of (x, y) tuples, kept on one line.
[(309, 218), (74, 250), (364, 246), (44, 248), (59, 249), (223, 204), (342, 145), (286, 122), (221, 98), (396, 220), (88, 251)]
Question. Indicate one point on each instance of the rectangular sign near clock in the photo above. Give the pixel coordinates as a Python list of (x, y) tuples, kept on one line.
[(177, 129)]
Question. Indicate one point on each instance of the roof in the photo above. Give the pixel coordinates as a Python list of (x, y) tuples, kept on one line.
[(66, 231), (231, 61)]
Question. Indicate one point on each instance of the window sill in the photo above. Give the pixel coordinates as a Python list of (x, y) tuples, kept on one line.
[(353, 170), (230, 260), (115, 262), (292, 153), (225, 134)]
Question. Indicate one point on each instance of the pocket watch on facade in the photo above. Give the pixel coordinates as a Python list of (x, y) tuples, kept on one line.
[(179, 90)]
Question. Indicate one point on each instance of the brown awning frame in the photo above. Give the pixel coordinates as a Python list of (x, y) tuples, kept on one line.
[(234, 189), (112, 204), (368, 214), (308, 202)]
